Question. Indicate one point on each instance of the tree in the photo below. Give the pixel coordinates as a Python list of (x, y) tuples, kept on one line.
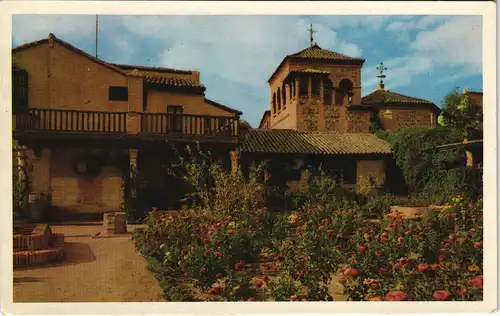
[(460, 113)]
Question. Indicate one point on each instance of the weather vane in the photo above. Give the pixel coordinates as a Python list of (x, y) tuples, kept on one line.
[(311, 31), (381, 75)]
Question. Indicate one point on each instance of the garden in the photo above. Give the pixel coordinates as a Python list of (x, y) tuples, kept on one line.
[(228, 244)]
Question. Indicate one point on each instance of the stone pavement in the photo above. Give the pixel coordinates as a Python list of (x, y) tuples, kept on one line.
[(93, 270)]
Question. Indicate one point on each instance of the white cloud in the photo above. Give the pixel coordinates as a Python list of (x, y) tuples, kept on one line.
[(245, 49), (455, 44)]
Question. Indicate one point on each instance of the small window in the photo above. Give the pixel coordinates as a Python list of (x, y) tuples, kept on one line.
[(118, 93), (175, 109), (278, 97), (327, 92), (175, 117)]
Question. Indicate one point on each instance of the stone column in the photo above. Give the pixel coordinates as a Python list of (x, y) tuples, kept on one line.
[(296, 87), (132, 203), (235, 160)]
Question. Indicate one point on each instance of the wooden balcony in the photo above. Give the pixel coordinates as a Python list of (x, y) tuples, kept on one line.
[(53, 122)]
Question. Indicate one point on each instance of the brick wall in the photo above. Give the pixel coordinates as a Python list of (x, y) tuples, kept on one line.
[(369, 168), (358, 121), (407, 117)]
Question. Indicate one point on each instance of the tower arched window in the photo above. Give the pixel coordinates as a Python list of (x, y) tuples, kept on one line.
[(327, 91), (283, 94), (274, 103), (345, 87), (279, 99), (316, 86)]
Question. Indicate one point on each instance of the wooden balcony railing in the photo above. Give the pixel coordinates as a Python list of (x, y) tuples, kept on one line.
[(99, 122), (70, 121), (188, 124)]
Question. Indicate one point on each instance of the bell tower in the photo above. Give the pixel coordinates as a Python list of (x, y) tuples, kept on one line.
[(311, 90)]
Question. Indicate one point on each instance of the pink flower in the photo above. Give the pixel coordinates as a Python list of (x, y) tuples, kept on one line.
[(441, 295), (477, 282), (238, 265), (396, 296)]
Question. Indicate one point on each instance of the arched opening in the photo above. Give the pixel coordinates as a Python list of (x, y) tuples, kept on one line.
[(345, 87), (316, 86), (274, 103), (327, 91), (303, 86), (279, 99), (283, 94)]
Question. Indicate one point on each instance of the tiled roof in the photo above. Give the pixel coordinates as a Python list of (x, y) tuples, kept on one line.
[(312, 71), (222, 106), (316, 52), (154, 69), (381, 96), (319, 143), (172, 81)]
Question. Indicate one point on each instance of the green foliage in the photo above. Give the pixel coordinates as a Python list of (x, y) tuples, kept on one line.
[(216, 191), (322, 188), (414, 152), (462, 115), (375, 123), (445, 184)]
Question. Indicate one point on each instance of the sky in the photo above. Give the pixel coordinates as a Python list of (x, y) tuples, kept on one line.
[(426, 56)]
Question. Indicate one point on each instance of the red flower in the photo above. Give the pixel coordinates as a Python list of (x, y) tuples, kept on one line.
[(397, 266), (478, 244), (352, 272), (441, 295), (250, 299), (258, 283), (266, 279), (362, 249), (202, 270), (378, 253), (422, 267), (293, 298), (299, 229), (265, 209), (396, 296), (440, 257), (374, 285), (330, 231), (477, 282), (218, 275), (461, 291), (383, 270), (238, 265), (320, 228), (216, 289)]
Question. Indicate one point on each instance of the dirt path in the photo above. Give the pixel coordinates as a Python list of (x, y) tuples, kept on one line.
[(94, 270)]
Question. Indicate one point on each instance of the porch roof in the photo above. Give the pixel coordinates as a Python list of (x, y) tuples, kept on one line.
[(316, 143)]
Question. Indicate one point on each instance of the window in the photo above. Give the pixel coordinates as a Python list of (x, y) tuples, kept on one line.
[(345, 87), (174, 113), (327, 91), (283, 94), (349, 171), (274, 103), (19, 87), (279, 99), (316, 83), (303, 87), (118, 93)]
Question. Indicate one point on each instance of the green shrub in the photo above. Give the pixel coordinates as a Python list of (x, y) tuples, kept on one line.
[(446, 184)]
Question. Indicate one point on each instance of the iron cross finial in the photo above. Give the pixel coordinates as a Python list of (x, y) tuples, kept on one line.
[(381, 75), (311, 31)]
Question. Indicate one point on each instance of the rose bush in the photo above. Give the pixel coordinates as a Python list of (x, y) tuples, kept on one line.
[(437, 258)]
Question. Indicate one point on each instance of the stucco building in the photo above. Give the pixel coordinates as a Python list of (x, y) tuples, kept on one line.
[(90, 131)]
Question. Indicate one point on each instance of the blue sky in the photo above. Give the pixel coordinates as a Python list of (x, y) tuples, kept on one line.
[(426, 56)]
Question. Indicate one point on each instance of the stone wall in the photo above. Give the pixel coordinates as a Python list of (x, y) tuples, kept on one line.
[(407, 117), (358, 121)]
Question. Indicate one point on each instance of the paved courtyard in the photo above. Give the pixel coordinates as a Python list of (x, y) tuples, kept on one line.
[(94, 270)]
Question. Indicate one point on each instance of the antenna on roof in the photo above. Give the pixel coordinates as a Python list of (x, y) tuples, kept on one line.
[(381, 75), (96, 33)]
